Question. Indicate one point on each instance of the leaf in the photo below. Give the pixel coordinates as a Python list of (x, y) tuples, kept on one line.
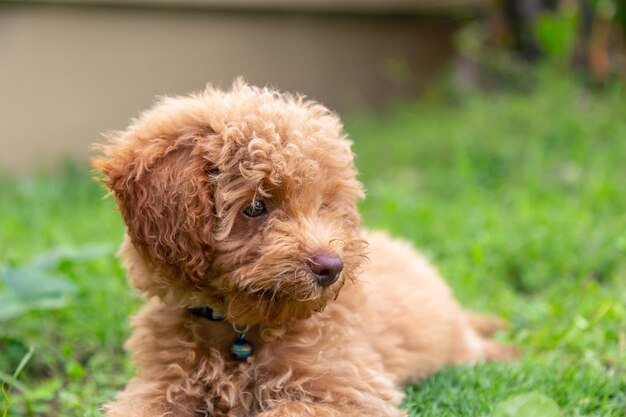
[(556, 34), (532, 404), (29, 288), (30, 282), (35, 287), (53, 258)]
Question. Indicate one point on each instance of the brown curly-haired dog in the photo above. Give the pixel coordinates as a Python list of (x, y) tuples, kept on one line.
[(241, 206)]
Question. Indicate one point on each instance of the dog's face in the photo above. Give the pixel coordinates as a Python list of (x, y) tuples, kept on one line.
[(244, 199)]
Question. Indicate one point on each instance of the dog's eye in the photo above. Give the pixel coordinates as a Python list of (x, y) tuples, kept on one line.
[(256, 209)]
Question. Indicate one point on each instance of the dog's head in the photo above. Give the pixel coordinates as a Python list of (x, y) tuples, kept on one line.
[(244, 199)]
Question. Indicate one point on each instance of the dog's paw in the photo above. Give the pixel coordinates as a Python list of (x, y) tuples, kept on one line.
[(501, 352)]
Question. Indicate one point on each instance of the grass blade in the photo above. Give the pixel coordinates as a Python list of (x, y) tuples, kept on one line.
[(11, 381)]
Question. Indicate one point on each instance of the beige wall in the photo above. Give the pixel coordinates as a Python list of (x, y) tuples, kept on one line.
[(69, 73)]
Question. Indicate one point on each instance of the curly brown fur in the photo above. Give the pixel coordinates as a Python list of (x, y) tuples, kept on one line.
[(183, 174)]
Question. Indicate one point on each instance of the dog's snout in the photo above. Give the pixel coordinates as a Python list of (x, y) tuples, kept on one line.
[(325, 267)]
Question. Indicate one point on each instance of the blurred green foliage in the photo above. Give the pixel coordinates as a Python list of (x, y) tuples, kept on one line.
[(59, 234), (586, 36), (556, 33)]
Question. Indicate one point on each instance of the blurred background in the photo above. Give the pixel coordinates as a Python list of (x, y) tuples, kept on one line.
[(72, 69), (490, 133), (82, 67)]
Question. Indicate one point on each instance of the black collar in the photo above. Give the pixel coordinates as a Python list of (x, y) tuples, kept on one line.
[(206, 312), (241, 349)]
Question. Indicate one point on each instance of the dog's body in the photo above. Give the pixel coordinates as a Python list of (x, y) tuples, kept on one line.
[(188, 178)]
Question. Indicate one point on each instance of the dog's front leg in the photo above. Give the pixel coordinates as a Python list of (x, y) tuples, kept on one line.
[(143, 398), (334, 394)]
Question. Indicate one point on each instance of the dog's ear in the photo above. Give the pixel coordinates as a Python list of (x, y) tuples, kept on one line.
[(164, 192)]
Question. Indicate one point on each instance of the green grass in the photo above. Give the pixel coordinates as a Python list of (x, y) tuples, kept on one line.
[(520, 200)]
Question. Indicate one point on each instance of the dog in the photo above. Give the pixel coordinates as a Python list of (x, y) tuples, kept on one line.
[(265, 295)]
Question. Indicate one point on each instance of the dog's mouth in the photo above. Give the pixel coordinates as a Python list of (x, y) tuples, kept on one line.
[(275, 305), (303, 288)]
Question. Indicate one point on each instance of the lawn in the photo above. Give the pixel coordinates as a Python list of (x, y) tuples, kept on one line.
[(518, 197)]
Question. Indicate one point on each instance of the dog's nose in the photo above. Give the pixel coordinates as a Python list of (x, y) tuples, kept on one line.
[(325, 267)]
